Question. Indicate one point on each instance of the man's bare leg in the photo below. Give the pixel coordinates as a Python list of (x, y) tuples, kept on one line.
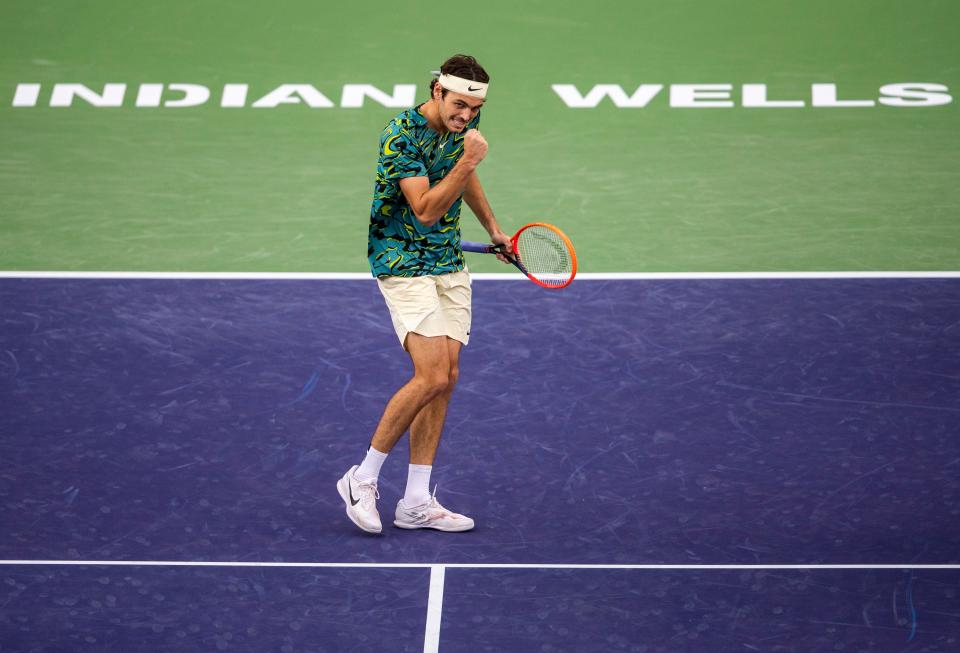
[(418, 509), (431, 380), (425, 433), (427, 426)]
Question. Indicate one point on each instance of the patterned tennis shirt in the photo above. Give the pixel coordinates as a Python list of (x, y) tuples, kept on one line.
[(398, 245)]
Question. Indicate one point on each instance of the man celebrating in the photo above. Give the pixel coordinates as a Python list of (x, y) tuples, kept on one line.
[(428, 161)]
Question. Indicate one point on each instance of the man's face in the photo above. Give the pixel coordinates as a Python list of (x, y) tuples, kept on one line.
[(456, 109)]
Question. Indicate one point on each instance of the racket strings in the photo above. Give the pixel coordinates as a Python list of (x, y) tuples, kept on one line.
[(544, 253)]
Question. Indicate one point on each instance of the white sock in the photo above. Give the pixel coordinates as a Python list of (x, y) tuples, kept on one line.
[(418, 485), (369, 469)]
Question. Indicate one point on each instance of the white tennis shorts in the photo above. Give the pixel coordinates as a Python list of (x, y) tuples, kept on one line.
[(430, 305)]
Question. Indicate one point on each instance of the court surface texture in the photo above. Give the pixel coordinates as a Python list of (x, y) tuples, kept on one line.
[(653, 464)]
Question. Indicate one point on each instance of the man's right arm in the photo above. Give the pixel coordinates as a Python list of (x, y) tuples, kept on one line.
[(430, 204)]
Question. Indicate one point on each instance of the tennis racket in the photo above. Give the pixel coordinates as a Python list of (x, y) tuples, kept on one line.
[(540, 251)]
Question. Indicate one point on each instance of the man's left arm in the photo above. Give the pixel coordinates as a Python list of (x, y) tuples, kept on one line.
[(476, 199)]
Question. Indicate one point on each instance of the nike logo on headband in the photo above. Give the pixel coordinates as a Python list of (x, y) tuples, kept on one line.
[(471, 87)]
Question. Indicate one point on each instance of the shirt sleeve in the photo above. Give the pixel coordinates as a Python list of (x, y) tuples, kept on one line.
[(399, 156)]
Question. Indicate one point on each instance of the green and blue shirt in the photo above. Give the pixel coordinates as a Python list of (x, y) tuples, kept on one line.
[(398, 245)]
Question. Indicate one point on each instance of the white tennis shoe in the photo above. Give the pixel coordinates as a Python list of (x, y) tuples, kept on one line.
[(361, 501), (431, 515)]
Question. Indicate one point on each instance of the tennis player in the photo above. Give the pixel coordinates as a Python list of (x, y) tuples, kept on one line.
[(427, 167)]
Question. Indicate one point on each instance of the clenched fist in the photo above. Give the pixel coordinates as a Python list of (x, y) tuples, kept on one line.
[(474, 146)]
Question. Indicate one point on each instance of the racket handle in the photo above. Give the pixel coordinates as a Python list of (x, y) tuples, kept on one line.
[(479, 248), (483, 248)]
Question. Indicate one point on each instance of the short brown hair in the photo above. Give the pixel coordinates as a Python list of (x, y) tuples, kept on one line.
[(463, 66)]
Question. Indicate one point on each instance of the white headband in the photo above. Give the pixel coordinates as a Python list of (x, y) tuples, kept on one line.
[(465, 86)]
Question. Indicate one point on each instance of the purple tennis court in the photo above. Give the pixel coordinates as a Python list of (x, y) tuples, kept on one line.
[(699, 464)]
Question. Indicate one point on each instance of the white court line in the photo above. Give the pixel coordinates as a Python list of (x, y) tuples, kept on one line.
[(483, 276), (431, 637), (456, 565)]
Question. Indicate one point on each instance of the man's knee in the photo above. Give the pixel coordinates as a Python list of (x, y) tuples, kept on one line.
[(437, 369), (438, 382), (434, 382)]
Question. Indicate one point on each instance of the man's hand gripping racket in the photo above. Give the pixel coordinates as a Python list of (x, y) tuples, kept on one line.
[(540, 251)]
